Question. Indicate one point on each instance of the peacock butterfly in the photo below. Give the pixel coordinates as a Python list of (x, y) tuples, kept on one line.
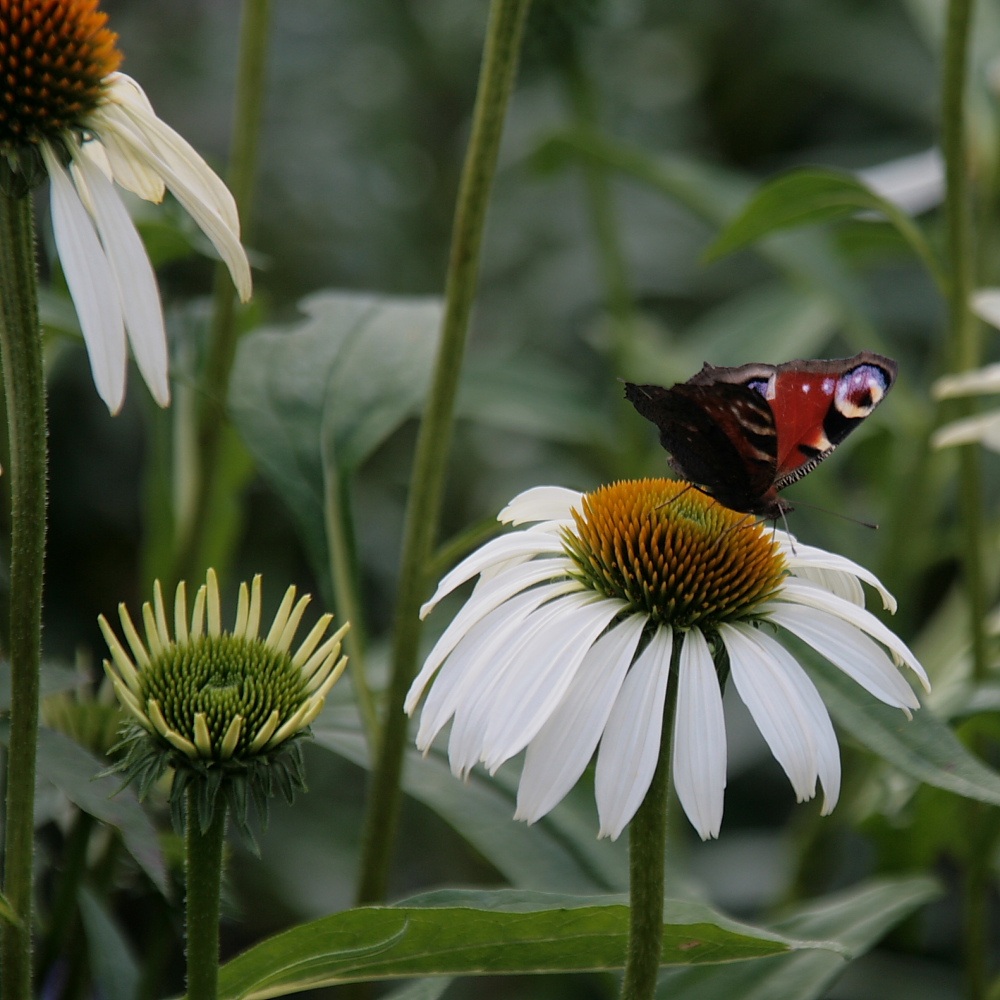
[(742, 434)]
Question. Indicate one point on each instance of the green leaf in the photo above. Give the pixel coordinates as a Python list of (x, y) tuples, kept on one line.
[(76, 773), (856, 919), (116, 971), (478, 932), (330, 390), (559, 853), (808, 196), (922, 747)]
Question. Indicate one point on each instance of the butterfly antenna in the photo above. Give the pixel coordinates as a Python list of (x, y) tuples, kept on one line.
[(784, 521), (667, 503), (835, 513)]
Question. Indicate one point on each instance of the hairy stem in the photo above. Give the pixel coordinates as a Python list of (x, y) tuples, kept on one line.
[(24, 386)]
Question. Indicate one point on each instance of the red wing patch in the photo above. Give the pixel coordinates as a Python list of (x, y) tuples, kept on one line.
[(742, 434)]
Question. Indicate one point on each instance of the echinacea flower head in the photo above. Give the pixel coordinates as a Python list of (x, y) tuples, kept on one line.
[(225, 710), (579, 622), (66, 112)]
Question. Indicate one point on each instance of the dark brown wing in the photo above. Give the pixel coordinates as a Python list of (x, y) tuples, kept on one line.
[(720, 436)]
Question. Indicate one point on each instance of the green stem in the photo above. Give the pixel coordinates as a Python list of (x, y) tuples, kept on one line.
[(345, 596), (204, 884), (964, 332), (647, 843), (24, 384), (496, 80), (250, 82)]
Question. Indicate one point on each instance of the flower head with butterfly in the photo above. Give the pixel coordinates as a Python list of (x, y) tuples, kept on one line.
[(579, 621)]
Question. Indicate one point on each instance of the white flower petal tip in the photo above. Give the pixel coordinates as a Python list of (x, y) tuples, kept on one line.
[(984, 429), (985, 303), (541, 503), (913, 183), (975, 383)]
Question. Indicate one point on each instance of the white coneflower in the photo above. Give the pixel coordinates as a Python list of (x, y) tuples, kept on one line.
[(66, 112), (567, 640), (209, 702)]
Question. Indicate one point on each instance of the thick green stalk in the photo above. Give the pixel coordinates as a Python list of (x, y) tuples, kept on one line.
[(647, 847), (241, 179), (24, 385), (496, 80), (203, 871), (965, 354), (964, 334)]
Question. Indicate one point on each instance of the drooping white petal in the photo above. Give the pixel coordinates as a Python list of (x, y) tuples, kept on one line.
[(979, 382), (91, 283), (984, 428), (517, 546), (802, 592), (698, 755), (562, 748), (762, 682), (542, 503), (630, 746), (133, 274), (549, 626), (485, 599), (189, 177), (127, 93), (837, 568), (985, 303), (473, 657), (914, 183), (847, 648), (537, 680), (129, 169)]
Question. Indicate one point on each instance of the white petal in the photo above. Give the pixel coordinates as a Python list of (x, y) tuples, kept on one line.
[(630, 747), (761, 679), (552, 623), (698, 756), (481, 603), (803, 592), (191, 180), (820, 727), (914, 183), (133, 273), (539, 678), (517, 546), (130, 169), (542, 503), (808, 557), (849, 649), (984, 428), (844, 585), (979, 382), (91, 283), (561, 750), (985, 303), (475, 655)]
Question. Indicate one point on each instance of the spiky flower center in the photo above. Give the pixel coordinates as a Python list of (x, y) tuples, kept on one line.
[(673, 553), (54, 55), (223, 677)]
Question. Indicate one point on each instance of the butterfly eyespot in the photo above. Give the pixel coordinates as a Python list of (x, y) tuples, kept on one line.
[(860, 391)]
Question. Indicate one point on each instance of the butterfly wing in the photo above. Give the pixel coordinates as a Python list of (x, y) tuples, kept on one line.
[(815, 404), (721, 436)]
